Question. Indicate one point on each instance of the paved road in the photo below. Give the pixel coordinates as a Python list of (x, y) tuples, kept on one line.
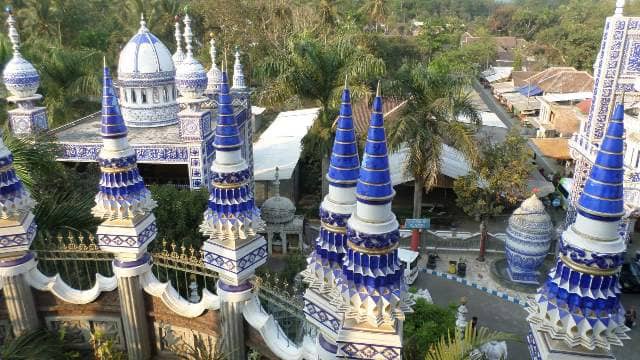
[(502, 315)]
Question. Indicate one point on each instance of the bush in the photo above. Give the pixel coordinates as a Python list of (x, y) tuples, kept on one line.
[(424, 327)]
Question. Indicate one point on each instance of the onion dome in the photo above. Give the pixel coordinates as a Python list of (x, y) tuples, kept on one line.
[(238, 74), (15, 200), (325, 265), (191, 77), (20, 77), (371, 288), (579, 302), (231, 212), (214, 75), (145, 60), (278, 209), (122, 194), (528, 239), (179, 55)]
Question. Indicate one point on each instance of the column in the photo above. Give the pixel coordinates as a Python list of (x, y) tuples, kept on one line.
[(232, 299), (132, 309), (17, 294)]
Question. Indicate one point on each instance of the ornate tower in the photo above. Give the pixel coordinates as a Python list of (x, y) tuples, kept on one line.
[(179, 55), (214, 75), (371, 289), (125, 206), (231, 222), (195, 122), (616, 70), (242, 96), (22, 80), (577, 311), (325, 263)]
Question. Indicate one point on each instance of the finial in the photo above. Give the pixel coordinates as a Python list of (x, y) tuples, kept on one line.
[(378, 89), (104, 61), (13, 33), (188, 35), (238, 73), (346, 78), (276, 182), (178, 35), (143, 24), (619, 7), (212, 50), (622, 97)]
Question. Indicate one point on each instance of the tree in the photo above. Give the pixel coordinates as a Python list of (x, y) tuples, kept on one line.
[(376, 11), (499, 179), (424, 327), (38, 344), (455, 348), (430, 120), (314, 71)]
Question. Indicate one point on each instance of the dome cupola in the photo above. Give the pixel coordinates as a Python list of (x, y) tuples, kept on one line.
[(191, 77), (278, 209), (19, 76)]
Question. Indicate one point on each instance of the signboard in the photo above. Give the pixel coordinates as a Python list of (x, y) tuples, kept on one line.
[(417, 223)]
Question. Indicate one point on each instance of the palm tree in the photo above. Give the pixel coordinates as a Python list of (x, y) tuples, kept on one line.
[(376, 11), (435, 100), (457, 348), (39, 344), (314, 71)]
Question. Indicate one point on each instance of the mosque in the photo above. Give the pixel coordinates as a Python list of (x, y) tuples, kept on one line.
[(161, 115)]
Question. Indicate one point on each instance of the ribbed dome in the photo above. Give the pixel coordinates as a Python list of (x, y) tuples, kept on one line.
[(191, 77), (145, 58), (20, 77), (531, 217), (278, 210)]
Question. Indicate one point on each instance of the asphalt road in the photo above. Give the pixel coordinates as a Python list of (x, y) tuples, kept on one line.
[(502, 315)]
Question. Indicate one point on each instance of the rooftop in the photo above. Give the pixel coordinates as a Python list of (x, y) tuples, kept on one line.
[(556, 148)]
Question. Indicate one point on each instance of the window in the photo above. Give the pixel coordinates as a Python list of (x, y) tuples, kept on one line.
[(166, 94), (156, 96), (133, 96), (143, 95)]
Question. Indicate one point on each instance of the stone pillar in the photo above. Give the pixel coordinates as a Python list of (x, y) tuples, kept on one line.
[(232, 300), (17, 294), (132, 309)]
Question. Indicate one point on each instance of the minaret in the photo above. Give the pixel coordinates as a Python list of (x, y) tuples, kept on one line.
[(577, 312), (17, 230), (179, 55), (125, 207), (325, 263), (214, 75), (238, 74), (231, 224), (22, 81), (371, 290), (195, 121)]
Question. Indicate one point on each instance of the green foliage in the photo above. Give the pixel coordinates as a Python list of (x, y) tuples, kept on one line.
[(455, 348), (296, 262), (498, 180), (424, 327), (38, 344), (202, 349), (179, 213), (104, 348)]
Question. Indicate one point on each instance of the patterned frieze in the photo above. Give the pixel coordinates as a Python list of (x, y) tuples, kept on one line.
[(161, 153), (78, 330), (27, 121)]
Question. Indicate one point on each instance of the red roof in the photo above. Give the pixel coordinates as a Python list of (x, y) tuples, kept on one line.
[(584, 106)]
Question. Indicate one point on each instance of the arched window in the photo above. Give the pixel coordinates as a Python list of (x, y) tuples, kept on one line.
[(143, 95), (133, 96)]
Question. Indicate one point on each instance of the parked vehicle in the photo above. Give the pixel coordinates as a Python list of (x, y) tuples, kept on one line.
[(630, 278), (409, 260)]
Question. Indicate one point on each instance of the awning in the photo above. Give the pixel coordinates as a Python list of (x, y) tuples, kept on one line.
[(530, 90)]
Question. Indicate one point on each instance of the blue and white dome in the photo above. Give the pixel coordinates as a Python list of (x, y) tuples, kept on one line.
[(191, 77), (19, 76), (528, 239)]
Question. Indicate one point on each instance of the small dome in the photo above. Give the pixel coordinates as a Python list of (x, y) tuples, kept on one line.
[(145, 59), (191, 77), (20, 77), (278, 210), (531, 217)]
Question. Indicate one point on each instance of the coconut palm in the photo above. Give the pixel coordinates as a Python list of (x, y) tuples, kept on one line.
[(456, 348), (435, 100), (375, 10), (38, 344), (315, 71)]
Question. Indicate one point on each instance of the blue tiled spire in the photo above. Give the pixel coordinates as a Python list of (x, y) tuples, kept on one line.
[(374, 183), (227, 137), (122, 194), (602, 198), (112, 125), (344, 165)]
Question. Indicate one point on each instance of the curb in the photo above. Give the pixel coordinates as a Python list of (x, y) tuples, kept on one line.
[(474, 285)]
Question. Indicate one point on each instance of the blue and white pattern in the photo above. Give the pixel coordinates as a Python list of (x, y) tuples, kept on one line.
[(214, 76), (224, 264), (238, 74), (368, 351), (19, 76), (321, 316), (129, 241), (528, 239), (191, 77)]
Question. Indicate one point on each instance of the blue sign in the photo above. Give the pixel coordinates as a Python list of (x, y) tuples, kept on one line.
[(417, 223)]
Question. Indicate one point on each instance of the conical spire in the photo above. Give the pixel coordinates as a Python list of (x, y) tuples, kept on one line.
[(374, 182), (179, 55), (602, 197), (227, 137), (276, 183), (238, 74), (14, 36), (344, 165), (122, 193)]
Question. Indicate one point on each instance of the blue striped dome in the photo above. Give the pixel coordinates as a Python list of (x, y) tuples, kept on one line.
[(344, 166), (602, 197), (112, 125), (227, 137), (374, 182)]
